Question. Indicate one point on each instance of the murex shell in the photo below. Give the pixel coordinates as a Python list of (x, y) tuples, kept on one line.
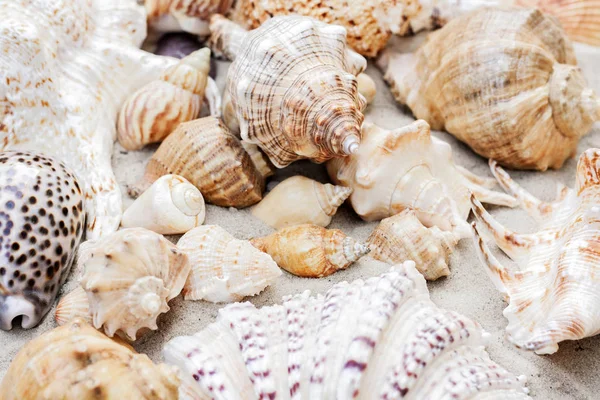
[(408, 168), (42, 220), (66, 66), (382, 338), (76, 362), (128, 278), (553, 291), (522, 101)]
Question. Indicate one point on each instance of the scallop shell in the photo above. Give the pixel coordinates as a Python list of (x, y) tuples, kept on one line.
[(205, 153), (407, 168), (171, 206), (310, 250), (553, 290), (224, 269), (380, 338), (522, 101), (66, 66), (42, 220), (75, 362), (184, 15), (403, 237), (128, 277), (299, 200)]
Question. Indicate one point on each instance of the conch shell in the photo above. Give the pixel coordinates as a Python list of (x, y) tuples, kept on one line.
[(553, 293), (171, 206), (380, 338), (76, 362), (403, 237), (205, 153), (128, 278), (184, 15), (310, 250), (407, 168), (224, 269), (299, 200), (522, 101)]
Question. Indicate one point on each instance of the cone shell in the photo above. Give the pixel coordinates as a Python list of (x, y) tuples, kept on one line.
[(206, 154), (224, 269), (171, 206), (183, 15), (76, 362), (299, 200), (310, 250)]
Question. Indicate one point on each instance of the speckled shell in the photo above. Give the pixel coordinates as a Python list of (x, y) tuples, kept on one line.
[(183, 15), (310, 250), (42, 220), (407, 168), (381, 338), (128, 278), (224, 269), (403, 237), (205, 153), (299, 200), (553, 289), (76, 362), (66, 66), (522, 101)]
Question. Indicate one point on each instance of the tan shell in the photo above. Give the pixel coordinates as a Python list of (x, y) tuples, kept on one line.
[(156, 109), (205, 153), (224, 269), (366, 87), (260, 160), (299, 200), (403, 237), (310, 250), (522, 101), (76, 362), (183, 15)]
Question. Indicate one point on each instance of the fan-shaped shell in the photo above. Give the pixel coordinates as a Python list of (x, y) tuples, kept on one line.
[(76, 362), (184, 15), (205, 153), (380, 338), (224, 269), (42, 220), (128, 277)]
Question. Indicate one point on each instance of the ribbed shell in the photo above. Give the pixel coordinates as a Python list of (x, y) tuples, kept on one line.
[(376, 339), (205, 153), (224, 269), (310, 250), (76, 362)]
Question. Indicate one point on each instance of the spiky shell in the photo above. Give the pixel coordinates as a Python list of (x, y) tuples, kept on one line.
[(128, 277), (522, 102), (205, 153), (224, 269), (310, 250), (299, 200), (380, 338), (76, 362), (187, 15), (403, 237)]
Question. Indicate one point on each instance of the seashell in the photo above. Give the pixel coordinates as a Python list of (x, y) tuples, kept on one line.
[(308, 104), (310, 250), (224, 269), (366, 87), (526, 111), (171, 206), (205, 153), (75, 362), (299, 200), (403, 237), (260, 160), (68, 80), (378, 338), (156, 109), (42, 221), (128, 277), (407, 168), (184, 15), (552, 292)]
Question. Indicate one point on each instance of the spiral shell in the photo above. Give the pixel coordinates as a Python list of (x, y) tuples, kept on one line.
[(183, 15)]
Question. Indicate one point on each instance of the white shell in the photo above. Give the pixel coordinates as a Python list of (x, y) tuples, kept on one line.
[(171, 206), (376, 339), (183, 15)]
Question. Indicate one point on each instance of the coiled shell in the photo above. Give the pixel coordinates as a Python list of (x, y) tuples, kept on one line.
[(183, 15)]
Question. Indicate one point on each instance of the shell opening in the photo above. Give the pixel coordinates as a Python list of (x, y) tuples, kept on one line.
[(15, 311)]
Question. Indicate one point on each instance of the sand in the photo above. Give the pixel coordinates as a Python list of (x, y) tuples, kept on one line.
[(570, 373)]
